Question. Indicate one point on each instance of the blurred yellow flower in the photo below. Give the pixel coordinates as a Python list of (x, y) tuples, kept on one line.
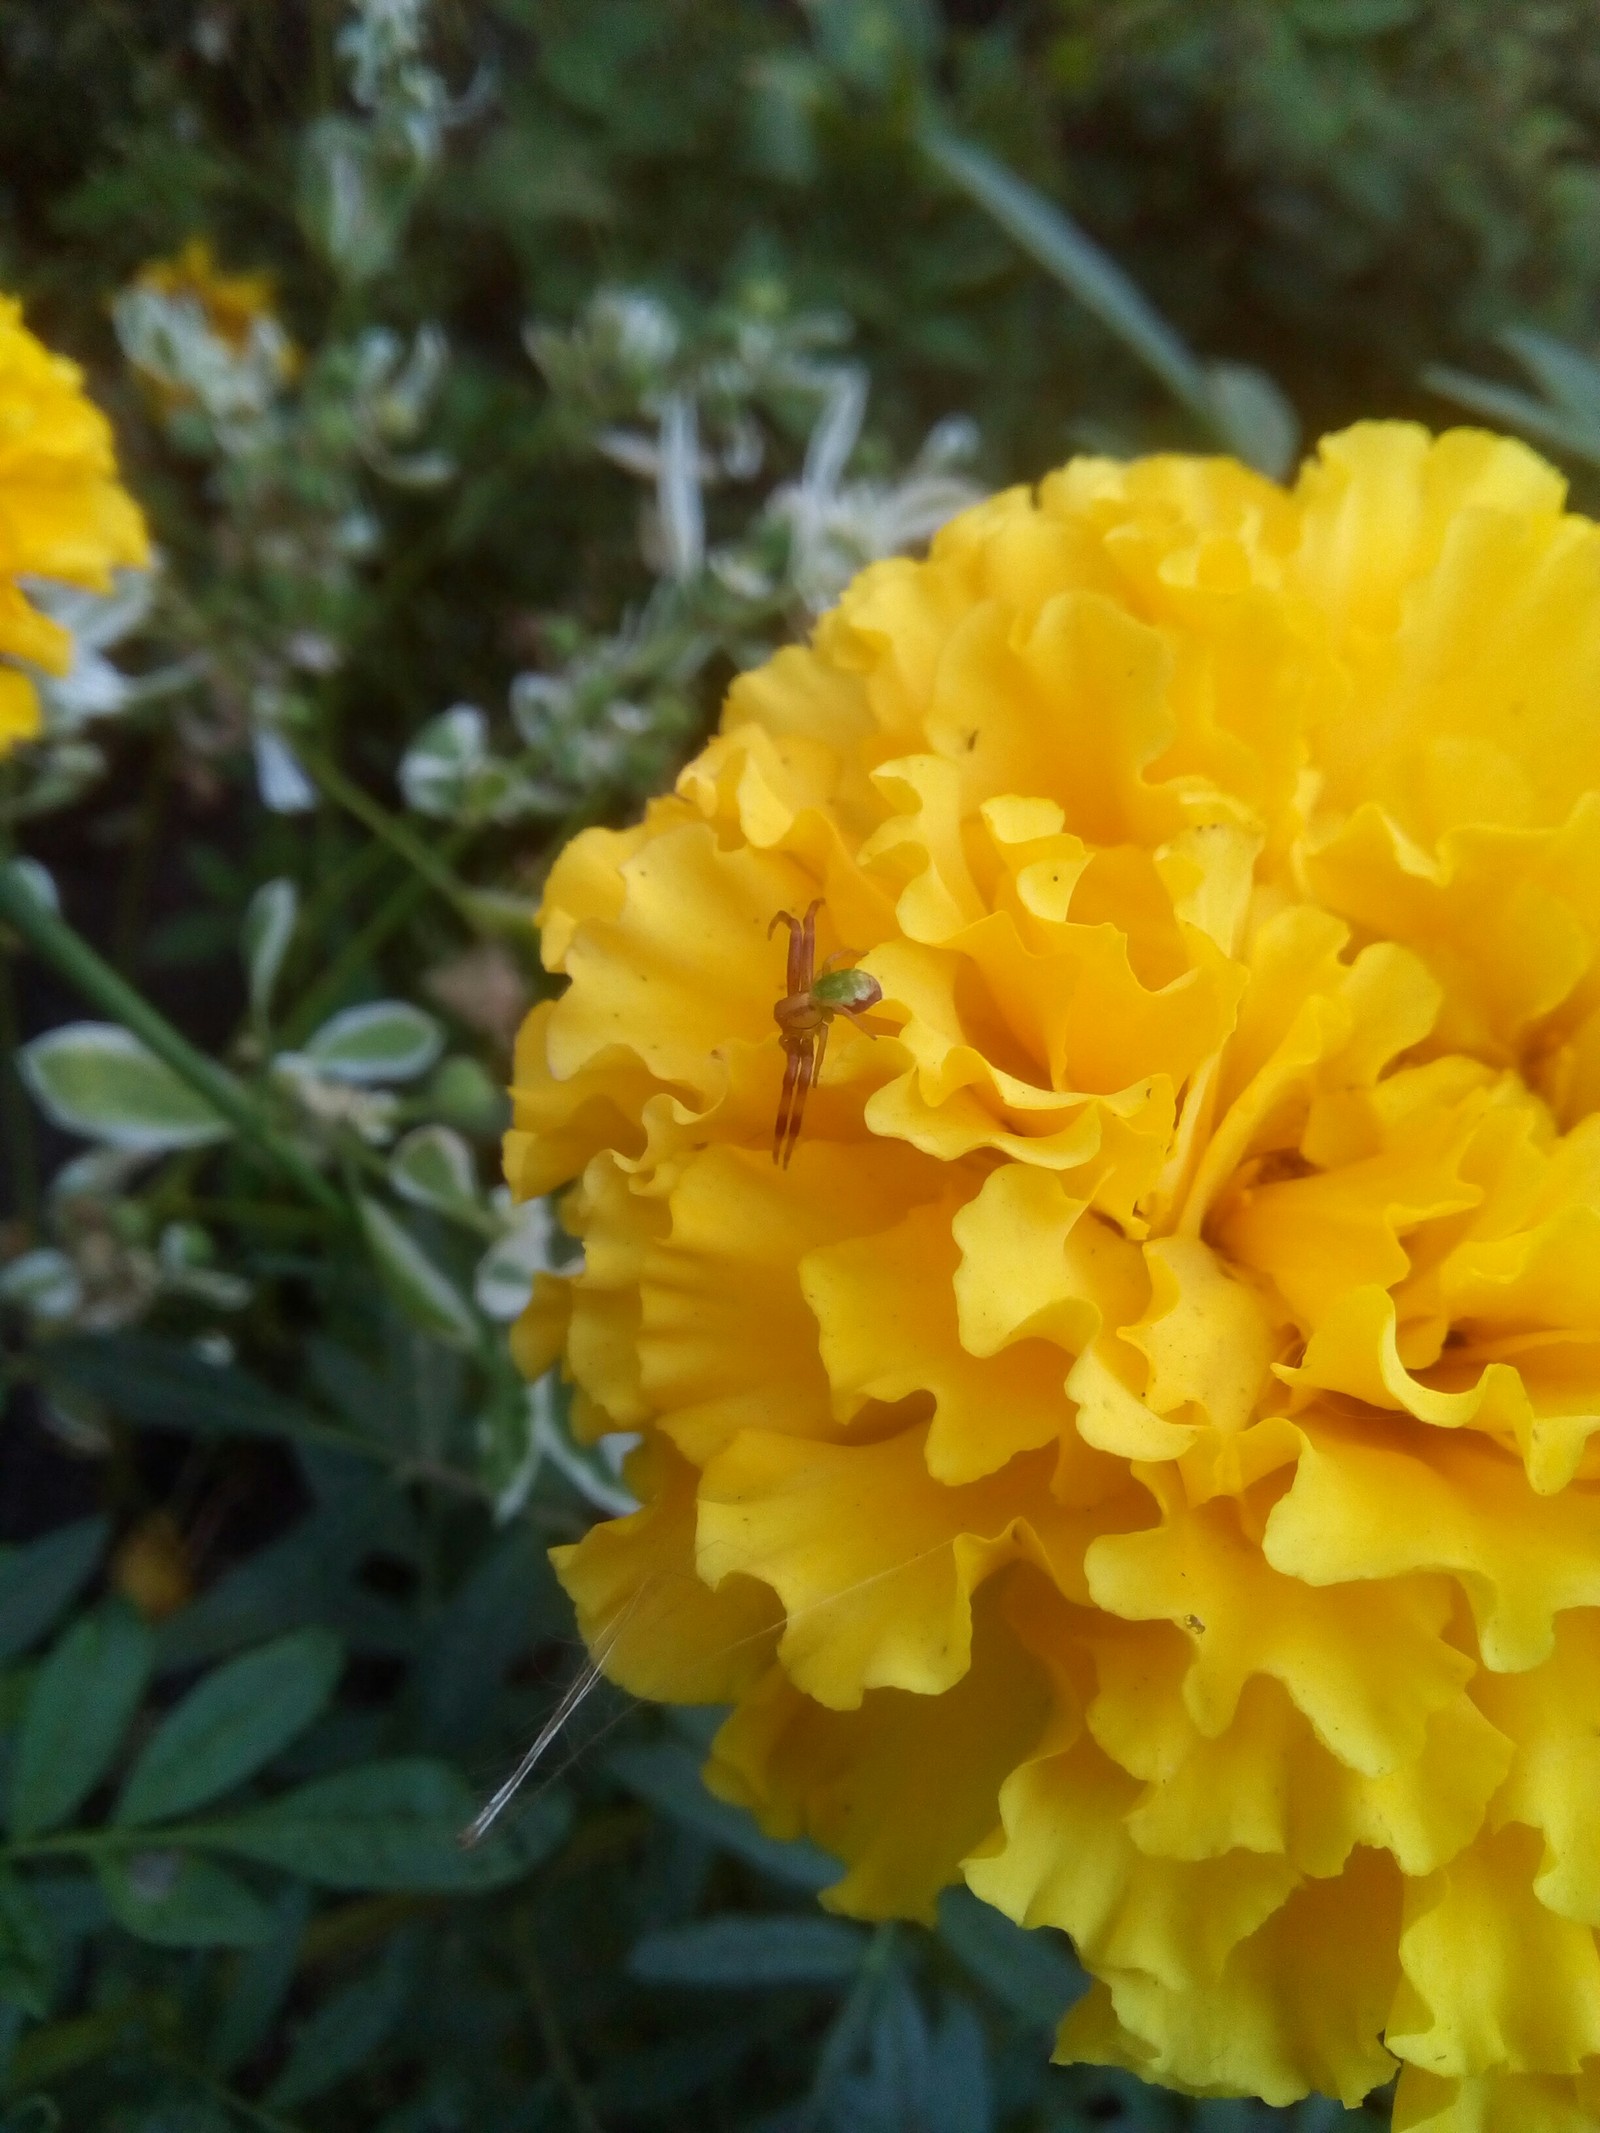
[(1140, 1457), (231, 305), (63, 513), (201, 338)]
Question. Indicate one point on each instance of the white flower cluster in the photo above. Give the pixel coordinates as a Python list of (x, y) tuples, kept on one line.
[(382, 45), (232, 384), (617, 703), (104, 1268)]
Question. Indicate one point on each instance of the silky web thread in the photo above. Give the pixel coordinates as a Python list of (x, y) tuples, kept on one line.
[(592, 1673)]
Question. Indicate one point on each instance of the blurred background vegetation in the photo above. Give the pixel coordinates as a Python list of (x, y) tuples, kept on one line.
[(600, 341)]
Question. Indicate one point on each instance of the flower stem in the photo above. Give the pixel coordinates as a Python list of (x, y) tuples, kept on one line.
[(326, 992), (94, 978), (399, 837)]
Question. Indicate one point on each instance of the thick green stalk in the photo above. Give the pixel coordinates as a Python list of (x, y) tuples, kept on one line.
[(89, 973)]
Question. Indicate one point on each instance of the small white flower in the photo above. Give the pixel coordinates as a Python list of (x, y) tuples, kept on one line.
[(835, 527), (328, 1105), (169, 338)]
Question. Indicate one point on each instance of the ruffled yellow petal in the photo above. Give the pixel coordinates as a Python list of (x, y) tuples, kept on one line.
[(1160, 1396), (1495, 2103), (835, 1776), (19, 708), (1491, 1978), (645, 1612), (1299, 2006), (1202, 1569), (874, 1560)]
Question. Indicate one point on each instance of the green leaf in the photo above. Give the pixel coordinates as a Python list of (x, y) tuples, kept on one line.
[(98, 1079), (345, 2030), (269, 922), (428, 1297), (163, 1385), (39, 1581), (38, 879), (1254, 417), (1033, 1973), (392, 1825), (668, 1777), (747, 1953), (260, 1984), (959, 2092), (229, 1725), (433, 1167), (1050, 236), (385, 1040), (180, 1901), (1509, 408), (25, 1949), (1567, 377), (874, 43), (83, 1697)]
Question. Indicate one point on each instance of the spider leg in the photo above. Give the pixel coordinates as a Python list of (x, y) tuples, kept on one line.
[(808, 967), (787, 918), (806, 1061), (791, 1077), (855, 1014)]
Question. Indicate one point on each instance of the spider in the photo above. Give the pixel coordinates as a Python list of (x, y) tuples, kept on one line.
[(803, 1014)]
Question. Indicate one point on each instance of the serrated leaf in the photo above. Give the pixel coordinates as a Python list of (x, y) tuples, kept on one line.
[(229, 1725), (179, 1900), (1032, 1974), (39, 1581), (98, 1079), (269, 922), (432, 1167), (746, 1953), (390, 1825), (668, 1777), (384, 1040), (25, 1949), (82, 1699), (427, 1295)]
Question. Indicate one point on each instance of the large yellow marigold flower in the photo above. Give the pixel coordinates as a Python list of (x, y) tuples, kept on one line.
[(63, 513), (1138, 1458)]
